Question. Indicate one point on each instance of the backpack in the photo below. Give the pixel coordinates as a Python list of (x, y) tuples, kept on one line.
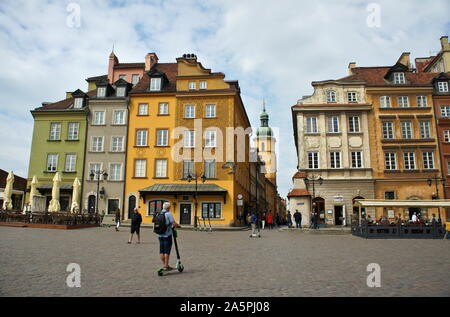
[(160, 226)]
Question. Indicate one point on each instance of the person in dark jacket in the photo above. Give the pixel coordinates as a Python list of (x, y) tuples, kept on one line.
[(289, 219), (298, 219), (136, 220)]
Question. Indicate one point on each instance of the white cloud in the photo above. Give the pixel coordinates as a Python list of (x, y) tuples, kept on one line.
[(274, 49)]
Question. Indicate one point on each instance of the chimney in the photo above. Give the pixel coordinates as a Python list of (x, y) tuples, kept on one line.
[(351, 65), (150, 60), (445, 45), (404, 59), (113, 61), (69, 94)]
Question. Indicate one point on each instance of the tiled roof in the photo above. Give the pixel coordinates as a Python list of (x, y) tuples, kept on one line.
[(169, 69), (97, 78), (299, 193), (299, 175), (63, 104), (130, 65), (183, 188), (422, 63), (374, 76)]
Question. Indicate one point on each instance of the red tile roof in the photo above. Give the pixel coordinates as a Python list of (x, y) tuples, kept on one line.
[(171, 71), (299, 193), (299, 175), (62, 104), (130, 65), (423, 62)]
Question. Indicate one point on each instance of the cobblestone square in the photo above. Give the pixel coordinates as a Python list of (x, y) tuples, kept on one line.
[(33, 262)]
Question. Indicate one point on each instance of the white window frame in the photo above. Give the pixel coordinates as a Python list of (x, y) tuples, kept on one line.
[(387, 129), (163, 108), (94, 117), (110, 174), (425, 129), (121, 92), (354, 125), (445, 111), (447, 136), (352, 96), (54, 160), (189, 139), (100, 168), (141, 137), (390, 161), (95, 145), (399, 78), (123, 122), (210, 111), (114, 145), (442, 86), (335, 160), (313, 157), (155, 84), (409, 160), (162, 137), (203, 84), (141, 168), (192, 85), (401, 101), (73, 131), (188, 168), (311, 125), (422, 101), (333, 124), (210, 169), (55, 131), (331, 96), (141, 107), (161, 170), (385, 102), (101, 92), (210, 138), (71, 159), (134, 81), (78, 103), (427, 159), (357, 159), (406, 127), (189, 111)]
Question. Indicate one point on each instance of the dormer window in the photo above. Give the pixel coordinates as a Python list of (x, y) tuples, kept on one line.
[(134, 79), (203, 84), (399, 78), (192, 85), (443, 86), (155, 84), (78, 103), (331, 96), (101, 92), (120, 92)]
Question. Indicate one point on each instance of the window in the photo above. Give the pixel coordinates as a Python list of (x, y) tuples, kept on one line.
[(406, 130), (119, 117), (210, 169), (78, 103), (122, 76), (409, 160), (210, 111), (189, 111), (425, 129), (313, 160), (389, 195), (335, 159), (143, 109), (113, 206), (74, 127), (351, 96), (117, 144), (356, 159), (189, 139), (52, 162), (210, 139), (353, 124), (99, 117), (101, 92), (161, 168), (445, 111), (385, 102), (155, 206), (155, 84), (55, 131), (120, 92), (115, 172), (134, 79), (331, 96), (163, 108), (442, 86), (141, 137), (188, 168), (448, 167), (211, 210), (311, 125), (96, 168), (162, 137), (388, 130), (70, 162), (333, 124), (399, 78), (447, 136), (203, 84), (263, 147), (140, 168), (422, 101), (428, 160), (390, 159), (97, 144), (192, 85), (403, 101)]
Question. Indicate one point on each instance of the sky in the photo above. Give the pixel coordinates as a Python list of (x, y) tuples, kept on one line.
[(274, 48)]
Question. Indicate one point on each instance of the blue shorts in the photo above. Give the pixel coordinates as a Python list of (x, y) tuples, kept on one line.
[(165, 245)]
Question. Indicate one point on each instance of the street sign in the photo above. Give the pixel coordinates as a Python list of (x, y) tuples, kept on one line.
[(240, 202)]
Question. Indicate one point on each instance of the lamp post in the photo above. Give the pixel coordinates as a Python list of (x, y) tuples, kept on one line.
[(436, 181), (95, 175), (190, 178), (314, 179)]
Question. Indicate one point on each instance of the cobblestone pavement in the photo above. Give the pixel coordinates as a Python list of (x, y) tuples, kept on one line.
[(33, 262)]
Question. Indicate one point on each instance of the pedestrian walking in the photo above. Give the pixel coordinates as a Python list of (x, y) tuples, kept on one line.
[(253, 222), (270, 221), (298, 219), (289, 219), (136, 220), (263, 220), (117, 219), (165, 239)]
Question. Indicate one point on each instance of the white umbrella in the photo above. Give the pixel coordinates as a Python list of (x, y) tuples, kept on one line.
[(7, 202), (76, 196), (33, 189), (54, 203)]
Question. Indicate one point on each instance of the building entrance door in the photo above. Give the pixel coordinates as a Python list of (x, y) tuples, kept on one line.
[(413, 210), (131, 205), (338, 215), (91, 204), (185, 214)]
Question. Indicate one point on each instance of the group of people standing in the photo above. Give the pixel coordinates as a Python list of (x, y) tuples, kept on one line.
[(297, 219)]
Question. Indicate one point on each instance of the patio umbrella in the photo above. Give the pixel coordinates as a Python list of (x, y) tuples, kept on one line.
[(33, 189), (7, 203), (76, 196), (54, 203)]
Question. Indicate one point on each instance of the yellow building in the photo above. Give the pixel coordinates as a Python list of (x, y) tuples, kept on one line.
[(181, 131)]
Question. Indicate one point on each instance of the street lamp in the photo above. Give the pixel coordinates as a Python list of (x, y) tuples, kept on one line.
[(190, 178), (314, 179), (95, 175), (436, 180)]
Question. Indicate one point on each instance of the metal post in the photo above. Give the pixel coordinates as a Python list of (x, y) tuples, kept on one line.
[(98, 189)]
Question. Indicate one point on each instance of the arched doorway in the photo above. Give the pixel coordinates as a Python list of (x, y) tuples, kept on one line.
[(91, 203), (416, 210), (356, 209), (131, 205), (319, 210)]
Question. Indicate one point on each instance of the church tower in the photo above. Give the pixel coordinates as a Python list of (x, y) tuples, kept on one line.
[(265, 143)]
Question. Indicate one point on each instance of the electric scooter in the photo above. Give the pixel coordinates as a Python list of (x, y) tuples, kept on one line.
[(178, 266)]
